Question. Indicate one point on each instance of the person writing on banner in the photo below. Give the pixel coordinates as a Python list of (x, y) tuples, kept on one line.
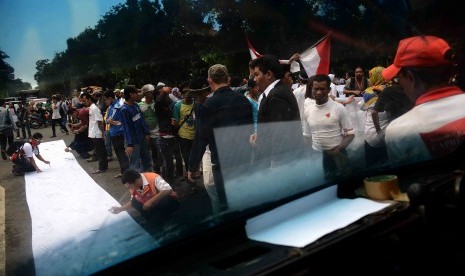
[(23, 158), (425, 68), (329, 127), (151, 196)]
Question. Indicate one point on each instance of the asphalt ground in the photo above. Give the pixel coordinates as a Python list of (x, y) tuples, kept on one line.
[(16, 257)]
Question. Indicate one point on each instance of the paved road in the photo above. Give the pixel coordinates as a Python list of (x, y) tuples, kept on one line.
[(16, 256)]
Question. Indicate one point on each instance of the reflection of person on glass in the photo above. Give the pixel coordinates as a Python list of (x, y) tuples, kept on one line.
[(278, 140), (330, 128), (375, 122), (225, 108), (435, 126)]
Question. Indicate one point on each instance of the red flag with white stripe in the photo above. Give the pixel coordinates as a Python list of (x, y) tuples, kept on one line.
[(253, 53), (315, 59)]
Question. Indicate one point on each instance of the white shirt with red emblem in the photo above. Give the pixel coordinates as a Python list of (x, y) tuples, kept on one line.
[(433, 128), (328, 123)]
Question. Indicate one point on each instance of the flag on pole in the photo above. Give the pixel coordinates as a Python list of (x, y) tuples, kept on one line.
[(315, 59), (253, 53)]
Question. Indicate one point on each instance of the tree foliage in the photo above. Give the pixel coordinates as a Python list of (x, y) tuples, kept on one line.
[(145, 41), (9, 86)]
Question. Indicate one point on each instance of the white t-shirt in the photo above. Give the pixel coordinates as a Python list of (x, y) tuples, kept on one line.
[(94, 116), (373, 138), (333, 91), (328, 123), (160, 183), (299, 94), (56, 110), (28, 151)]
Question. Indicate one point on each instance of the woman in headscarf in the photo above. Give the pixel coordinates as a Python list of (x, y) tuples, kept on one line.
[(376, 122)]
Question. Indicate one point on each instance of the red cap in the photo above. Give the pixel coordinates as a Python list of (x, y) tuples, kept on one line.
[(418, 51)]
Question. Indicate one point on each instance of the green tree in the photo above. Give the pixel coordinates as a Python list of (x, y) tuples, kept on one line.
[(6, 75)]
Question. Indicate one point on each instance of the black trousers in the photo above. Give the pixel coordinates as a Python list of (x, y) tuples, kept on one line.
[(219, 184), (120, 151), (60, 123), (101, 153)]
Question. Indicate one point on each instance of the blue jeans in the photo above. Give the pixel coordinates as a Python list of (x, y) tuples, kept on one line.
[(140, 158)]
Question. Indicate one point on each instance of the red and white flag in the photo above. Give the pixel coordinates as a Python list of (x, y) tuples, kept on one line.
[(315, 59), (253, 53)]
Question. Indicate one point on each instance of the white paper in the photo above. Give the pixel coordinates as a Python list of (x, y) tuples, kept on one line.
[(303, 221), (73, 233)]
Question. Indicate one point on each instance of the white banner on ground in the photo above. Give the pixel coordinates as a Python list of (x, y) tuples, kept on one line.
[(73, 233)]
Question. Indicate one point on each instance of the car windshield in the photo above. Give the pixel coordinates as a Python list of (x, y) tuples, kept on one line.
[(141, 130)]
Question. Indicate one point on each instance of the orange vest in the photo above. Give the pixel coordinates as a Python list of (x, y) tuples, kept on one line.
[(148, 191)]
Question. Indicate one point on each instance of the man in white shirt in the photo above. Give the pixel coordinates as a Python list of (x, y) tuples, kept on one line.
[(96, 132), (330, 128)]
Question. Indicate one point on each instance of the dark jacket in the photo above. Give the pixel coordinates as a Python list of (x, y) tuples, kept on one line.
[(226, 125), (164, 112), (279, 133)]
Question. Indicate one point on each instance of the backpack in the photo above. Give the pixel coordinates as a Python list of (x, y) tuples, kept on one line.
[(16, 146)]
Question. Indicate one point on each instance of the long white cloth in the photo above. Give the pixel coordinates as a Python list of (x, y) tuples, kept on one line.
[(73, 233)]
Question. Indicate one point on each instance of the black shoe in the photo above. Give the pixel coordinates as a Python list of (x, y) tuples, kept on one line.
[(4, 157), (53, 136)]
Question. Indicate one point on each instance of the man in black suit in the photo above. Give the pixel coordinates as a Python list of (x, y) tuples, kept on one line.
[(226, 125), (279, 136)]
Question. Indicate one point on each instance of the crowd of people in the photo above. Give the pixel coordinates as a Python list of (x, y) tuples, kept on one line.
[(209, 126)]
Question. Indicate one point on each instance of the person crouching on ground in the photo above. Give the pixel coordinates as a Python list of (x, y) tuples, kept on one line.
[(151, 195), (24, 157)]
